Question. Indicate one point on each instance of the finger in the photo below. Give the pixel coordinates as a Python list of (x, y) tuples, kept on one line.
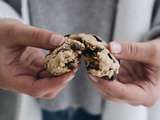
[(43, 73), (37, 58), (33, 87), (107, 97), (129, 72), (25, 35), (101, 91), (33, 57), (142, 52), (126, 92), (54, 81), (105, 94)]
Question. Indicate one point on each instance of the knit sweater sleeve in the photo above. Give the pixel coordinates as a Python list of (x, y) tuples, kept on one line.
[(15, 4), (154, 31), (7, 11)]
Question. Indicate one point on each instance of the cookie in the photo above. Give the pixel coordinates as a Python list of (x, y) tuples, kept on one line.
[(99, 61), (64, 58)]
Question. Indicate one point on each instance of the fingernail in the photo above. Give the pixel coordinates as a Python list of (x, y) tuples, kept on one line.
[(115, 47), (56, 40)]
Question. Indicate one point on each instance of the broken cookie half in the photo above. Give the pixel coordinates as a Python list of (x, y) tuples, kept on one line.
[(64, 58), (99, 61)]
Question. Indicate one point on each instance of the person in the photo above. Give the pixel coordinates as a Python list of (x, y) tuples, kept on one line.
[(22, 57)]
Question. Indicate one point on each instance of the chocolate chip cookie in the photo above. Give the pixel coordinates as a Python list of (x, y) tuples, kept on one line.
[(99, 61)]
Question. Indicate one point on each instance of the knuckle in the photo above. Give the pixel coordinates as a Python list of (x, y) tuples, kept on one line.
[(132, 49), (36, 34)]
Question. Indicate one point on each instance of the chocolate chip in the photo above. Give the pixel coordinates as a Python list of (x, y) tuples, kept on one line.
[(67, 35), (93, 65), (79, 56), (70, 64), (109, 55), (113, 77), (76, 46), (98, 49), (88, 53), (78, 39), (119, 61), (97, 38), (105, 77), (110, 79), (110, 69)]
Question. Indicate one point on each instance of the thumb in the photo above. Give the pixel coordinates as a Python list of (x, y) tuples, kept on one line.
[(36, 37), (142, 52)]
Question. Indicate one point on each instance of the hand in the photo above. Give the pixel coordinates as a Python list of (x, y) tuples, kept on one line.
[(21, 60), (138, 82)]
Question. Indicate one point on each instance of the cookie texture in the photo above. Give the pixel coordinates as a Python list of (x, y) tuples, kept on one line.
[(64, 58), (99, 61)]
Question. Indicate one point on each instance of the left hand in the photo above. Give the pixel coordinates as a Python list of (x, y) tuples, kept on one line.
[(21, 60), (138, 82)]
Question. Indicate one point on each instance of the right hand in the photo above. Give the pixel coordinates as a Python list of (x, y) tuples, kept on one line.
[(138, 81), (21, 59)]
